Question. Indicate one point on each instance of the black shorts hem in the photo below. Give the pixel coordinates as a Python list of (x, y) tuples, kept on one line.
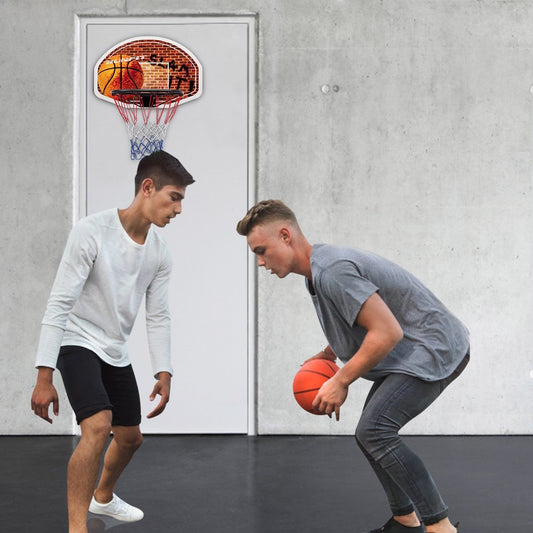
[(90, 411), (126, 425)]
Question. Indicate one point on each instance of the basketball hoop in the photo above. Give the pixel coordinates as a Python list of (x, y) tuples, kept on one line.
[(147, 129), (147, 78)]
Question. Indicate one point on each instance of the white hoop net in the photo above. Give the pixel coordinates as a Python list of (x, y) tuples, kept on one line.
[(147, 130)]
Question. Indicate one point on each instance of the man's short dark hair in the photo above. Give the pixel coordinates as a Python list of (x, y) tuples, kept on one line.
[(163, 169), (265, 212)]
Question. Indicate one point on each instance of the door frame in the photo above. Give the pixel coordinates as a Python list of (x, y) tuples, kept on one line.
[(79, 197)]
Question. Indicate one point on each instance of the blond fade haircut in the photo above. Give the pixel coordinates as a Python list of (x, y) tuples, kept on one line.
[(265, 212)]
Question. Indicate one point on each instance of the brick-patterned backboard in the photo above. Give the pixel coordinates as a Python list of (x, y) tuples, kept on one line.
[(165, 65)]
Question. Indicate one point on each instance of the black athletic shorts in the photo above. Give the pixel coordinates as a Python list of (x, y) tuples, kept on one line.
[(92, 386)]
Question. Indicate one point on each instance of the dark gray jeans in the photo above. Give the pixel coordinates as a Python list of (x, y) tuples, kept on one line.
[(392, 402)]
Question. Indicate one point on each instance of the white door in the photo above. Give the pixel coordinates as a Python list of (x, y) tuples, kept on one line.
[(213, 137)]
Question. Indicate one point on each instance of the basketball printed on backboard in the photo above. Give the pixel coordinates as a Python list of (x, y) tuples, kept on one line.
[(118, 72)]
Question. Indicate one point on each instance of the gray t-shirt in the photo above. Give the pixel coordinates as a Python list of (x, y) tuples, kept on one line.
[(434, 342)]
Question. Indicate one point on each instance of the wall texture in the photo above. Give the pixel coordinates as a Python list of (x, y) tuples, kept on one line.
[(423, 154)]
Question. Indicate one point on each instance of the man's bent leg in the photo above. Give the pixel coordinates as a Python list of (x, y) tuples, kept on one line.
[(399, 502), (126, 441), (121, 387), (398, 400), (83, 468)]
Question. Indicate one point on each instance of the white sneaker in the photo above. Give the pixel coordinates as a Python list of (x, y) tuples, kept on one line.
[(118, 509)]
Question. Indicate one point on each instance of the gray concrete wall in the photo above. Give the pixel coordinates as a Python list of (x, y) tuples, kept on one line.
[(422, 155)]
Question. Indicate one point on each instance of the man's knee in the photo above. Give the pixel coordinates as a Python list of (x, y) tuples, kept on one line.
[(128, 438), (135, 442), (363, 435), (97, 428), (375, 437)]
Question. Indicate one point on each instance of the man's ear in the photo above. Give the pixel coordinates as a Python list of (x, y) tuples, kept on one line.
[(285, 235), (147, 186)]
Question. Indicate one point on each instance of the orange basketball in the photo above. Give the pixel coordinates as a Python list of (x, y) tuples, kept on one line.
[(308, 380), (118, 72)]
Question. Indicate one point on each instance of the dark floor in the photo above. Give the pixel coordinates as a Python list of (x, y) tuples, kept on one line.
[(238, 484)]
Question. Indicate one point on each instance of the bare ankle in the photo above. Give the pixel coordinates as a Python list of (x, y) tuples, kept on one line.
[(444, 526), (78, 528), (102, 497)]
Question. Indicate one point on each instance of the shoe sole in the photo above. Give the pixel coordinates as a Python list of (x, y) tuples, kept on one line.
[(116, 517)]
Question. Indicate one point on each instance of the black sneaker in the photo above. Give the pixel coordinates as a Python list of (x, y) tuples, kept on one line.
[(392, 526)]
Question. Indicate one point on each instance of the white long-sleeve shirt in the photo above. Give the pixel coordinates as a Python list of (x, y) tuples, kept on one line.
[(100, 283)]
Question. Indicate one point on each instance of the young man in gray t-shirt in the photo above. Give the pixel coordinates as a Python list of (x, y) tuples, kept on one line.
[(386, 326)]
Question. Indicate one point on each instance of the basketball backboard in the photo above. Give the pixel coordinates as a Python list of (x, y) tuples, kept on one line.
[(144, 74), (159, 63)]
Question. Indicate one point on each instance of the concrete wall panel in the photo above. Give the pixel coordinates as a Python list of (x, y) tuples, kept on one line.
[(423, 155)]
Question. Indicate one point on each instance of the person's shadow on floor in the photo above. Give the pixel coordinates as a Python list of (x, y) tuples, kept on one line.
[(98, 524)]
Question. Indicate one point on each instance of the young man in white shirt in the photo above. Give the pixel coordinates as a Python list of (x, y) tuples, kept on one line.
[(111, 261)]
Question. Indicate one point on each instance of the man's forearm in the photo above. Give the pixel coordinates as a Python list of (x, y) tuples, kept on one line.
[(375, 347)]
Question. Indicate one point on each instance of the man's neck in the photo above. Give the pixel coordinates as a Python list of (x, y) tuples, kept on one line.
[(303, 259), (135, 225)]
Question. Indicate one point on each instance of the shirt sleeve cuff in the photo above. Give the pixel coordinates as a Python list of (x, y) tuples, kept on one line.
[(49, 345)]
